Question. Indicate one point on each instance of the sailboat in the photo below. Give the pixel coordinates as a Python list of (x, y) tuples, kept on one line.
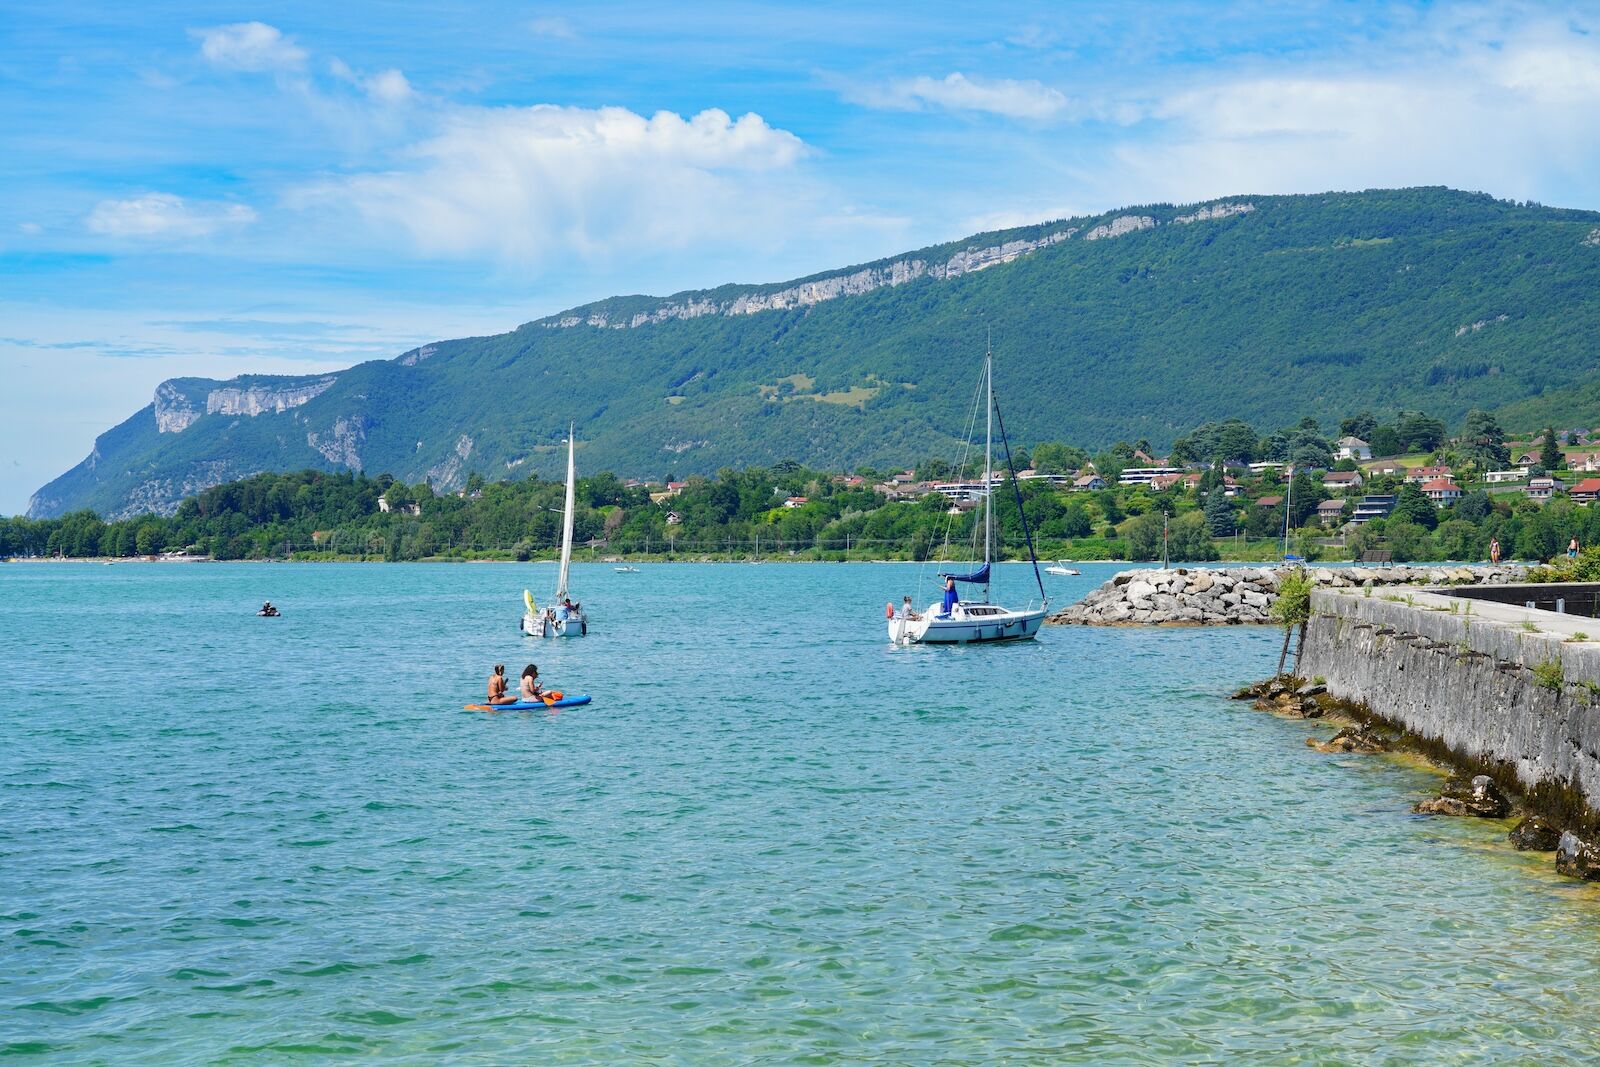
[(957, 621), (561, 617)]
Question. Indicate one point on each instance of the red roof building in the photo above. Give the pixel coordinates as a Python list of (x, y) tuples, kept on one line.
[(1586, 491), (1441, 491)]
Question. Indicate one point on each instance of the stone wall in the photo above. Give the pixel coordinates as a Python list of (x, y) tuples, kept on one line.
[(1503, 686), (1188, 596)]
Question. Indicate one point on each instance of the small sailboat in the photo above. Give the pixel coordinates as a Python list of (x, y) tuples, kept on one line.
[(561, 617), (957, 621)]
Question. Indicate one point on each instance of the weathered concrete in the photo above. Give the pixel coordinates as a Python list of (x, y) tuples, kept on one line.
[(1220, 596), (1467, 681)]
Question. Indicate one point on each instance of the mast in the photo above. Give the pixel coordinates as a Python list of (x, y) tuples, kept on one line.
[(566, 521), (1288, 499), (988, 450)]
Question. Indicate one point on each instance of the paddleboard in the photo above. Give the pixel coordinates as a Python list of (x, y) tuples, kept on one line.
[(564, 702), (527, 599)]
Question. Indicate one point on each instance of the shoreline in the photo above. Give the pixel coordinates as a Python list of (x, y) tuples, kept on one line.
[(1549, 819)]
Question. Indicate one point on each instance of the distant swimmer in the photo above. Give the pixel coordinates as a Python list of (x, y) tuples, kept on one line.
[(497, 686), (268, 611)]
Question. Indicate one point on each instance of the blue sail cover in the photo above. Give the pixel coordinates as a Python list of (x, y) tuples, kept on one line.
[(980, 576)]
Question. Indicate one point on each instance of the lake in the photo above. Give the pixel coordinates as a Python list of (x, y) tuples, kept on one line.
[(772, 837)]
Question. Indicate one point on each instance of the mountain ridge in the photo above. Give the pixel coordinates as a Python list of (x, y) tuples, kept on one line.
[(1141, 321)]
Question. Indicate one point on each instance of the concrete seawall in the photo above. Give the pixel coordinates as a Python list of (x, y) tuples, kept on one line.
[(1498, 684)]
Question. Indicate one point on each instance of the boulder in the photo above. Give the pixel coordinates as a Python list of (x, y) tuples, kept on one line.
[(1140, 590), (1441, 806), (1577, 858), (1479, 798), (1535, 834), (1200, 583), (1350, 739)]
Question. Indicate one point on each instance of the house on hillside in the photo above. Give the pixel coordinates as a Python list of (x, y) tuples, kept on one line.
[(1141, 456), (1353, 448), (1330, 512), (795, 502), (1162, 482), (1442, 491), (1418, 475), (1342, 481), (1088, 483), (1389, 469), (1144, 475), (1587, 462), (1541, 489), (1373, 506), (1265, 466), (1586, 491), (1515, 474), (1270, 502)]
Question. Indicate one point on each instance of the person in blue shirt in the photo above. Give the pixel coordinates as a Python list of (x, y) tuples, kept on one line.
[(950, 596)]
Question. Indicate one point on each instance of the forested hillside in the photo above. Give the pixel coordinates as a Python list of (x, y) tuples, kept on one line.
[(1141, 323)]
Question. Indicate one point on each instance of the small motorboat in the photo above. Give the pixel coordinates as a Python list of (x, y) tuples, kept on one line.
[(1062, 569), (627, 570)]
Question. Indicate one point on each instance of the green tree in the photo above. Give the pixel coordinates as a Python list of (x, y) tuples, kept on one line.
[(1143, 536), (1188, 540), (1361, 426), (1412, 506), (1483, 441), (1550, 457), (1221, 517)]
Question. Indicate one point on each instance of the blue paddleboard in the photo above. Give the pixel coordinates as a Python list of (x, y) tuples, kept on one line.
[(521, 705)]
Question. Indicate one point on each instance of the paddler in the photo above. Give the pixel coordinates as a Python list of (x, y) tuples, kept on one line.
[(532, 692), (497, 686)]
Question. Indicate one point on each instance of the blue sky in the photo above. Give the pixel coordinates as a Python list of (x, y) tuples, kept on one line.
[(216, 189)]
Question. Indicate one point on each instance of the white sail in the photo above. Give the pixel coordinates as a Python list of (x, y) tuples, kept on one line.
[(566, 523)]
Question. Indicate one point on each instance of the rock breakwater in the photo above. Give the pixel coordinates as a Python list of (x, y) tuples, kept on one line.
[(1188, 596)]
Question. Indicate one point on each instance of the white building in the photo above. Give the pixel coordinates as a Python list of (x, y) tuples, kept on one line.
[(1145, 475), (1353, 448), (1516, 474)]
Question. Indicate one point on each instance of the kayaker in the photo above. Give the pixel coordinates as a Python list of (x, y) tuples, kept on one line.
[(497, 686)]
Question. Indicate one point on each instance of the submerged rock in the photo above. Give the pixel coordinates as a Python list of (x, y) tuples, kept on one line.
[(1577, 858), (1480, 798), (1356, 739), (1535, 834)]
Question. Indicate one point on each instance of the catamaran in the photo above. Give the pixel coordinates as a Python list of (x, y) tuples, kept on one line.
[(561, 617), (954, 620)]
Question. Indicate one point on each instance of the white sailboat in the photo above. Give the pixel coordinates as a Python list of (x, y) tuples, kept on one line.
[(561, 617), (957, 621)]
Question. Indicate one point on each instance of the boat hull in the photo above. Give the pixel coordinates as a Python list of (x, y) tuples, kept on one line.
[(961, 629), (574, 626)]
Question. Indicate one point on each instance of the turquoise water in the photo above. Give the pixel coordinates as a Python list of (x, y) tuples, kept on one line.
[(771, 838)]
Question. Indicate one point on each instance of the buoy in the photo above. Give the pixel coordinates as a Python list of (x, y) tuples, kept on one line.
[(888, 610)]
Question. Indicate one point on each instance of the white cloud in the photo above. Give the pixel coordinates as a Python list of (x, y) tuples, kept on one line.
[(553, 26), (1516, 115), (388, 87), (957, 92), (163, 215), (30, 228), (527, 183), (249, 46), (385, 87)]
